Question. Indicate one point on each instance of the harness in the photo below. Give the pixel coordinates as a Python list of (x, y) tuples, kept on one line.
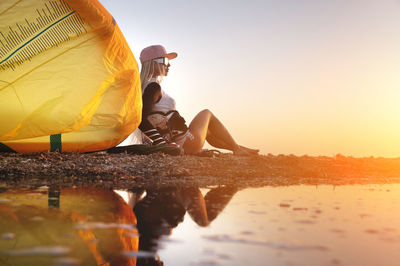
[(171, 124)]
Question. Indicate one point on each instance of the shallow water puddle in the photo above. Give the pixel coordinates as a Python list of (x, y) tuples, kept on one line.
[(297, 225), (293, 225)]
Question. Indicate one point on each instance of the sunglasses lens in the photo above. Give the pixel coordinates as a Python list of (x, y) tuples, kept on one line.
[(162, 60)]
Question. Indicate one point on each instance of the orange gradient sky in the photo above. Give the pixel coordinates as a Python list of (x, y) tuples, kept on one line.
[(302, 77)]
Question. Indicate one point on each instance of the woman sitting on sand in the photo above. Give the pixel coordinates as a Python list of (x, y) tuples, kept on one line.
[(163, 124)]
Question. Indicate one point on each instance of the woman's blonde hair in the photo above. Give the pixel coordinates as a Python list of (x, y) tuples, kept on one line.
[(147, 72)]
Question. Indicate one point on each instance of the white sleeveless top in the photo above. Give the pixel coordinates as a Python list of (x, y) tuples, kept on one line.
[(166, 103)]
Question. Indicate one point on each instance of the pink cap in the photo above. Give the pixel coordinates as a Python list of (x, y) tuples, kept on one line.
[(155, 51)]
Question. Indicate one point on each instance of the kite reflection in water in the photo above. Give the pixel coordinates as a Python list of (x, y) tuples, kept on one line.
[(93, 226)]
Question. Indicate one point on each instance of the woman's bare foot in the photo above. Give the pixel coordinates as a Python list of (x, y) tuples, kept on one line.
[(241, 150), (251, 151)]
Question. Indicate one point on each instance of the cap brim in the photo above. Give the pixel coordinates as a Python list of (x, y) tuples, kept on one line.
[(171, 55)]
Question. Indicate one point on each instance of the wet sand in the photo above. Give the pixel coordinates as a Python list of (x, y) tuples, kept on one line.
[(125, 170)]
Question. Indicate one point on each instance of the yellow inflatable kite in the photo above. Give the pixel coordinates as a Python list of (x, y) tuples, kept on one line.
[(68, 80)]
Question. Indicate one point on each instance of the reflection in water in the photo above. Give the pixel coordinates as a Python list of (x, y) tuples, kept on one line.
[(92, 226), (66, 226), (296, 225), (159, 211), (287, 225)]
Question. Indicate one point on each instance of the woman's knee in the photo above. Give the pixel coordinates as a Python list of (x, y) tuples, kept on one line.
[(200, 121), (206, 111), (205, 114)]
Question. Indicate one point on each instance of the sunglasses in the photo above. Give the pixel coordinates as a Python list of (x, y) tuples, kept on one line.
[(162, 60)]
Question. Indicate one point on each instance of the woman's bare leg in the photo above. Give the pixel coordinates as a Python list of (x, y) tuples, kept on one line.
[(219, 143), (215, 142), (199, 128), (206, 126)]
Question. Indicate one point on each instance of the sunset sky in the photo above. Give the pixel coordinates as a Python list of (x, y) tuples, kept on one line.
[(286, 76)]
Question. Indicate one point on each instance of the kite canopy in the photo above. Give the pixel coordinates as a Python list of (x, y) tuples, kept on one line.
[(68, 79)]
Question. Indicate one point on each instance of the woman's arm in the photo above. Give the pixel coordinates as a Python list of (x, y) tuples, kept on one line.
[(152, 94)]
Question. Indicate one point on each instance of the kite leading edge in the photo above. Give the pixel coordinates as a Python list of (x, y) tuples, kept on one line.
[(68, 79)]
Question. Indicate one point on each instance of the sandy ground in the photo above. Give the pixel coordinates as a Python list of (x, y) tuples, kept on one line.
[(126, 171)]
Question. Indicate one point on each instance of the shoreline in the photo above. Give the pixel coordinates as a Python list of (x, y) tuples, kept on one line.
[(125, 170)]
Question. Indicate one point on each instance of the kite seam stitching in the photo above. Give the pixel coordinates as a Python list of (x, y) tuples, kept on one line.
[(37, 36)]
